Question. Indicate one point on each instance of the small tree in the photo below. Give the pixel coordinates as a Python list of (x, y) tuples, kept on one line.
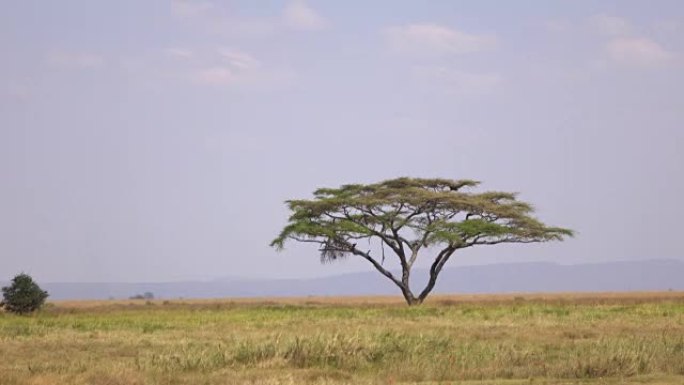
[(148, 295), (409, 216), (23, 295)]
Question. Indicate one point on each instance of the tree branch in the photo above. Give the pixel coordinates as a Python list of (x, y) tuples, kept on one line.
[(384, 237), (377, 266)]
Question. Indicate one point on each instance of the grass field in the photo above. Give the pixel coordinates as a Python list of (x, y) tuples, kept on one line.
[(635, 338)]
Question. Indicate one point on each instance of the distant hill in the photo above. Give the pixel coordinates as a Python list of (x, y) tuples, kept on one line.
[(497, 278)]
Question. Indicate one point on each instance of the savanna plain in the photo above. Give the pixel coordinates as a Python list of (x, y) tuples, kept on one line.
[(634, 338)]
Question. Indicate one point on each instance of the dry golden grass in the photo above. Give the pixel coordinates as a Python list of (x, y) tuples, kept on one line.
[(573, 338), (379, 300)]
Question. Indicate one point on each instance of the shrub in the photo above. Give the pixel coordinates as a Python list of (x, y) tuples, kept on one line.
[(23, 295), (147, 295)]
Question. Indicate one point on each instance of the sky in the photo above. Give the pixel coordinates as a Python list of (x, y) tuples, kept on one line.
[(146, 141)]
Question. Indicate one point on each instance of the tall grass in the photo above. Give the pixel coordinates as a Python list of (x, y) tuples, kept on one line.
[(206, 343)]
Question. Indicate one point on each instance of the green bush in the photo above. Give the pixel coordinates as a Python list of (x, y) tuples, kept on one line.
[(23, 296)]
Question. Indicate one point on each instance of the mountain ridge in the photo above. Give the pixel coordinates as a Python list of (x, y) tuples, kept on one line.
[(648, 275)]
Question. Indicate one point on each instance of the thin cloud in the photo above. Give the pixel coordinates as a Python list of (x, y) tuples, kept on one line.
[(667, 26), (179, 53), (611, 25), (459, 82), (216, 18), (300, 16), (215, 76), (227, 77), (227, 67), (238, 59), (190, 8), (19, 92), (75, 60), (556, 26), (241, 26), (639, 52), (435, 39)]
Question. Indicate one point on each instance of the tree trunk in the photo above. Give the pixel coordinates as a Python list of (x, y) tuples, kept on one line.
[(406, 289), (408, 296), (435, 269), (412, 301), (428, 288)]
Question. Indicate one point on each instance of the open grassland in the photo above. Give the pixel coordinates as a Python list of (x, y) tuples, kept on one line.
[(635, 338)]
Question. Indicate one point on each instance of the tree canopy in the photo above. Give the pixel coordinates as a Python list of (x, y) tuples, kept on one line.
[(23, 295), (411, 217)]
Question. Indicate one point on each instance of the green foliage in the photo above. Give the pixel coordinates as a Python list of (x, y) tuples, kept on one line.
[(23, 295), (408, 215), (146, 295), (435, 210)]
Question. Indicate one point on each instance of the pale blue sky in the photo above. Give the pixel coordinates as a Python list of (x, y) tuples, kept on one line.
[(157, 140)]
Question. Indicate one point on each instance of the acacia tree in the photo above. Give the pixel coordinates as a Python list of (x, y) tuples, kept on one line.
[(411, 217)]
